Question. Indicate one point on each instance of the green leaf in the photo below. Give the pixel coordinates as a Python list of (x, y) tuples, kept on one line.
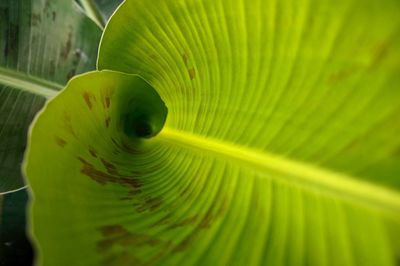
[(42, 45), (107, 7), (99, 10), (280, 145)]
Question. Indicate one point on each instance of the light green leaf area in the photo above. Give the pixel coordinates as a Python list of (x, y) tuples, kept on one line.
[(42, 45), (280, 145)]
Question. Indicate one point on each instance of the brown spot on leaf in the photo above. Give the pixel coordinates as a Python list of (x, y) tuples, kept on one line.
[(163, 221), (122, 258), (53, 15), (75, 63), (134, 192), (92, 152), (60, 142), (107, 121), (153, 56), (105, 244), (118, 235), (106, 95), (67, 125), (83, 161), (380, 51), (185, 192), (64, 52), (185, 58), (111, 169), (192, 73), (341, 75), (125, 198), (185, 243), (88, 97), (113, 230), (52, 68), (139, 240), (132, 182), (208, 219), (158, 257), (107, 101), (352, 146), (47, 5), (150, 204), (36, 19), (185, 222), (206, 222), (102, 178)]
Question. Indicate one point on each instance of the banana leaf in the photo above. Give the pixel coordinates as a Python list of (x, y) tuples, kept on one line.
[(226, 132), (99, 10), (42, 45)]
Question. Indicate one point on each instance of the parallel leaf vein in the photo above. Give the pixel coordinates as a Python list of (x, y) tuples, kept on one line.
[(306, 175), (28, 83)]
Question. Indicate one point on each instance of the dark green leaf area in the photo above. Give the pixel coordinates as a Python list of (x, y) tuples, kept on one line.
[(143, 113)]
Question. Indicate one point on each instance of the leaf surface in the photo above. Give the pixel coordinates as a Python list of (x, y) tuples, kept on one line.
[(107, 7), (280, 146), (99, 10), (42, 45)]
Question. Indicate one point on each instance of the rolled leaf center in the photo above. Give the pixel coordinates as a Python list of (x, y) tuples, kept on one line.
[(143, 112)]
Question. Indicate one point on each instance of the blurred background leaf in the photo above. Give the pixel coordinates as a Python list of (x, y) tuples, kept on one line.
[(43, 44), (99, 10)]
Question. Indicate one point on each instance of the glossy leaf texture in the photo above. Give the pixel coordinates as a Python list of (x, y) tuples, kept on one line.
[(108, 7), (280, 145), (42, 45), (99, 10)]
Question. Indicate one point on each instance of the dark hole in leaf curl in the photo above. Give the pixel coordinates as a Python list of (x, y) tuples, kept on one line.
[(138, 125), (142, 129), (142, 111)]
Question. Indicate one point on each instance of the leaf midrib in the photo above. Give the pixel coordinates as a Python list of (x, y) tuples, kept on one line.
[(25, 82), (305, 174)]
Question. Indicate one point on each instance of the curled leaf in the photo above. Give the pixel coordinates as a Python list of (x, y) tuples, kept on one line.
[(279, 145)]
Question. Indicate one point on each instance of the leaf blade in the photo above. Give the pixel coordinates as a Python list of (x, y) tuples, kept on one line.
[(39, 53), (336, 183), (288, 80)]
